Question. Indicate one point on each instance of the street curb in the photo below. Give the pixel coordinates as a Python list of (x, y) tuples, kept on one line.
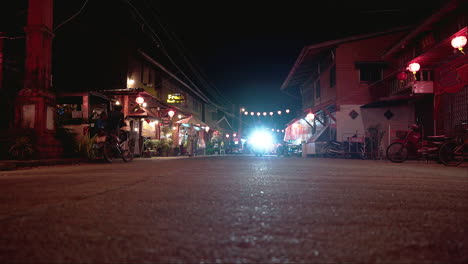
[(16, 164)]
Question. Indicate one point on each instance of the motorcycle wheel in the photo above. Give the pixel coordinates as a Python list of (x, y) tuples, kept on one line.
[(448, 156), (108, 152), (127, 153), (397, 152)]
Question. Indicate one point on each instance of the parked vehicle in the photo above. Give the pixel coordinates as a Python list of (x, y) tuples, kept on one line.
[(454, 152), (412, 145), (113, 147), (353, 147)]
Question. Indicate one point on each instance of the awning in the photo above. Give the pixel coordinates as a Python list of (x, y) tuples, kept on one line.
[(192, 121), (393, 101)]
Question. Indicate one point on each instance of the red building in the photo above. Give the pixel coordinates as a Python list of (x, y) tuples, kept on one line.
[(333, 79)]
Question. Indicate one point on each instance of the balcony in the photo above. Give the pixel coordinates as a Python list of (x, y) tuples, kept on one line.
[(391, 86)]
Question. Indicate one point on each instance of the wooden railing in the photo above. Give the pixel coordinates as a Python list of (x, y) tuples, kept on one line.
[(390, 85)]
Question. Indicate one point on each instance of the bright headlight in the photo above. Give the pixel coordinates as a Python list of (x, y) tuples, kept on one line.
[(261, 139)]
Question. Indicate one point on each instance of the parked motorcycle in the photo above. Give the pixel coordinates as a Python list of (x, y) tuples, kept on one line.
[(412, 145)]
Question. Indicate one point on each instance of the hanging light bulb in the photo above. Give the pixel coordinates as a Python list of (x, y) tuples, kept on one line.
[(179, 116), (287, 111), (242, 109), (272, 129), (282, 130), (246, 113), (144, 104), (171, 113), (277, 130), (310, 116), (279, 112), (271, 113), (252, 113), (264, 113), (207, 128), (258, 114), (140, 100), (234, 135)]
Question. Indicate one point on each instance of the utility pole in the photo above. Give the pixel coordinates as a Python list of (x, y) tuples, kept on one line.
[(35, 103)]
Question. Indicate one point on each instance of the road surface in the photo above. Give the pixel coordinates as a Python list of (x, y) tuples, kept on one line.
[(235, 209)]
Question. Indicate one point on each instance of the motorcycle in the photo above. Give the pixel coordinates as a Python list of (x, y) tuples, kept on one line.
[(412, 145), (109, 146)]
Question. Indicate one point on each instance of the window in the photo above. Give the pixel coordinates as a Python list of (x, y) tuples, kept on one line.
[(317, 88), (333, 76), (370, 73)]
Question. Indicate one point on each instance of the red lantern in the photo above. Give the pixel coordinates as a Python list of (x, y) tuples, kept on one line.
[(140, 100), (459, 42), (414, 67), (402, 76)]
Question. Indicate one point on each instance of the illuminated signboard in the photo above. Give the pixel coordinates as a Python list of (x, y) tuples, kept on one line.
[(175, 98)]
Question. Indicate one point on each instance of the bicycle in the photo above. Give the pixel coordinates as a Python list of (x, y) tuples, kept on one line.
[(453, 153), (118, 147)]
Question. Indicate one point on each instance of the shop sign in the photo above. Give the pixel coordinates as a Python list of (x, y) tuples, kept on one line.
[(175, 98)]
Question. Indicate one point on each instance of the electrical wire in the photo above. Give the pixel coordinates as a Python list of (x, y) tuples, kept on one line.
[(199, 93), (72, 17), (192, 68)]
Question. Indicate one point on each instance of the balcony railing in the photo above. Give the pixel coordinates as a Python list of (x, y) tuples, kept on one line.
[(390, 85)]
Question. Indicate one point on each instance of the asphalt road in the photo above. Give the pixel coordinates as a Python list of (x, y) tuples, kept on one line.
[(235, 210)]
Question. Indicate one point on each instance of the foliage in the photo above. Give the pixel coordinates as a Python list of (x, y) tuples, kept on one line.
[(165, 147), (85, 147), (22, 148), (210, 150)]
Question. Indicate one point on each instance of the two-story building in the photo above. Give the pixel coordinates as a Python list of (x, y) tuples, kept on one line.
[(437, 91), (332, 79)]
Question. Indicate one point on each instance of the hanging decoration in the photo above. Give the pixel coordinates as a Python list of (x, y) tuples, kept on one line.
[(402, 76), (414, 67), (458, 43)]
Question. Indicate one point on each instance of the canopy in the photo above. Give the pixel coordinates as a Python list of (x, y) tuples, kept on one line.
[(192, 121)]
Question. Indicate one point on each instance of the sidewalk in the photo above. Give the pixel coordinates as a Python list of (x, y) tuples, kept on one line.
[(15, 164)]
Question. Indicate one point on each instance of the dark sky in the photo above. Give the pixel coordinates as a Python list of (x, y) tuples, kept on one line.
[(246, 49)]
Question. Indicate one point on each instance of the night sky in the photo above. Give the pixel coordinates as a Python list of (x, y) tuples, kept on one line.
[(247, 50)]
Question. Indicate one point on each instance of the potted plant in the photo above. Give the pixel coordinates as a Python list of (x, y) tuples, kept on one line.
[(22, 148)]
